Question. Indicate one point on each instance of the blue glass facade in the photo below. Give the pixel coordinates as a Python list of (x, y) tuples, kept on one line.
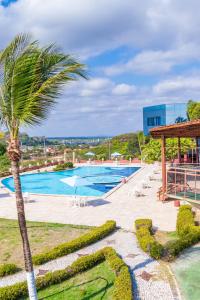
[(164, 114)]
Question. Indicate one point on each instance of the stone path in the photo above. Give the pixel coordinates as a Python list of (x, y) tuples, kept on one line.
[(151, 281)]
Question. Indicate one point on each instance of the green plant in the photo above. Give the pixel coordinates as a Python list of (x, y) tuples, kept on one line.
[(193, 110), (61, 167), (185, 220), (122, 285), (146, 240), (151, 151), (8, 269), (156, 250), (143, 223), (189, 233), (174, 248), (92, 236)]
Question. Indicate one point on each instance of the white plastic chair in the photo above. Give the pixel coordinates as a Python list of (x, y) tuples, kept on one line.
[(26, 197), (145, 185)]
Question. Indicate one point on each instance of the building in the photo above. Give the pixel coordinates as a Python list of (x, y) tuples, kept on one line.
[(163, 114)]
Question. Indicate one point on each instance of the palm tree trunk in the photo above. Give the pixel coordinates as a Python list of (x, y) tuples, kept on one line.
[(23, 231)]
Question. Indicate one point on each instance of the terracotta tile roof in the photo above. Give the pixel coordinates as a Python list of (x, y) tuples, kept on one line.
[(185, 129)]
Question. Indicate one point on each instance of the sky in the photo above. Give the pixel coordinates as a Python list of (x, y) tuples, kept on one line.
[(138, 53)]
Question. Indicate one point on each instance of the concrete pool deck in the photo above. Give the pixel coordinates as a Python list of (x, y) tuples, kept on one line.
[(119, 205)]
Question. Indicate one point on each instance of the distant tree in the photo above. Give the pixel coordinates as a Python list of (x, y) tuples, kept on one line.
[(193, 110), (152, 150), (141, 142), (180, 120)]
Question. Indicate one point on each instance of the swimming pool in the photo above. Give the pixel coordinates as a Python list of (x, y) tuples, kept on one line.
[(102, 179)]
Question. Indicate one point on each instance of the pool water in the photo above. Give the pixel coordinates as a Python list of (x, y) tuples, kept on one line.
[(187, 271), (101, 180)]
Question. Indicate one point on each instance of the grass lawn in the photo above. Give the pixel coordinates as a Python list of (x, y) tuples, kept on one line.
[(95, 284), (42, 236), (163, 236)]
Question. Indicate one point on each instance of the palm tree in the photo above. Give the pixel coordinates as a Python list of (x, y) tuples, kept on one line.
[(31, 78)]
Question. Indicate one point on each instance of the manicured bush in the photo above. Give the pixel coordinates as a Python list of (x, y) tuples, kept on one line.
[(8, 269), (122, 284), (156, 250), (61, 167), (147, 223), (185, 220), (174, 248), (146, 240), (88, 238)]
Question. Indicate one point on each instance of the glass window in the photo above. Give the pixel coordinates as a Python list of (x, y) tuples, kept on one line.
[(154, 121)]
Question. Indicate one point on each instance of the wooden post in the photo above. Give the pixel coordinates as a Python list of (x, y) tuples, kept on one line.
[(179, 150), (164, 175), (73, 157), (197, 150)]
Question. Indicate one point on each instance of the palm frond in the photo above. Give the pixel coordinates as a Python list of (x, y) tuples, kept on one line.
[(32, 81)]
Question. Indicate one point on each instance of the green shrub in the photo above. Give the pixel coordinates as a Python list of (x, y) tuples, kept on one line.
[(143, 223), (61, 167), (122, 284), (8, 269), (185, 220), (174, 248), (146, 240), (66, 248), (69, 165), (156, 250)]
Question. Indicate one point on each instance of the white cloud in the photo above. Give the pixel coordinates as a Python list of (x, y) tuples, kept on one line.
[(155, 62), (94, 26), (123, 89), (95, 86), (163, 33), (181, 85)]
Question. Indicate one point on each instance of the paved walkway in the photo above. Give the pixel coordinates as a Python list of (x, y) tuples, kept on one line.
[(151, 280), (120, 206)]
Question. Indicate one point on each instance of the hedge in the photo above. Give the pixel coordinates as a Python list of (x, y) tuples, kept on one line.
[(66, 248), (8, 269), (174, 248), (185, 220), (61, 167), (147, 223), (146, 240), (189, 234), (122, 284)]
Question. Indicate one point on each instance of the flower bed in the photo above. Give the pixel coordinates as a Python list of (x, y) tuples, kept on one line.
[(122, 284)]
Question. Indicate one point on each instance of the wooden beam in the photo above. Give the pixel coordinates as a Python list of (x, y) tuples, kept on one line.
[(164, 171), (179, 150), (197, 150)]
